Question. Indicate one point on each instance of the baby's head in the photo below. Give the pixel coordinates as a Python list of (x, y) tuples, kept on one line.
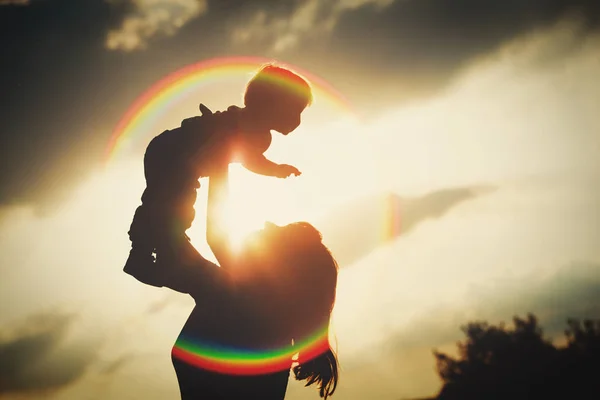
[(277, 96)]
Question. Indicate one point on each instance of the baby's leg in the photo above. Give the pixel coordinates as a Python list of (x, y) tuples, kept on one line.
[(143, 229), (143, 238), (141, 232), (156, 231), (151, 228), (176, 217)]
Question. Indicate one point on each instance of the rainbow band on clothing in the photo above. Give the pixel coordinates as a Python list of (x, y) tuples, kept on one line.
[(226, 360), (141, 117)]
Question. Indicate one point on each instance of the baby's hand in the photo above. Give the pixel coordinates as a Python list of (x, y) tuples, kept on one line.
[(284, 170)]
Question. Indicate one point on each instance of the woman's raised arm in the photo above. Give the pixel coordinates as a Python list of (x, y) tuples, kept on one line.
[(188, 272), (217, 236)]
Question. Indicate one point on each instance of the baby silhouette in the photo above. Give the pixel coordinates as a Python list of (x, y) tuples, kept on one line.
[(176, 159)]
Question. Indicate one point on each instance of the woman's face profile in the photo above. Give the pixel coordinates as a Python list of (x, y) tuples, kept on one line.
[(259, 245)]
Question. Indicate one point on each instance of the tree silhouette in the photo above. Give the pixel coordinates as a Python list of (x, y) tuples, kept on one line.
[(496, 362)]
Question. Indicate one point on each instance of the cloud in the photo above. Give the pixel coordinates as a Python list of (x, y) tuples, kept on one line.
[(422, 44), (380, 219), (403, 363), (407, 49), (150, 18), (427, 29), (571, 291), (35, 355), (310, 18), (117, 364), (15, 2)]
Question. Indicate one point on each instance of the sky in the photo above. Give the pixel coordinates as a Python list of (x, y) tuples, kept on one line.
[(474, 132)]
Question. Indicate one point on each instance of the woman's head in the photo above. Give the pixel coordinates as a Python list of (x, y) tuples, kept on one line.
[(297, 253), (294, 258)]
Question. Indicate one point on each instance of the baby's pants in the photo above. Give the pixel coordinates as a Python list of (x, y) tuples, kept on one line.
[(167, 209), (166, 213)]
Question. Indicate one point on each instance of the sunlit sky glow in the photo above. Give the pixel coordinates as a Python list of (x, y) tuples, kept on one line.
[(494, 173)]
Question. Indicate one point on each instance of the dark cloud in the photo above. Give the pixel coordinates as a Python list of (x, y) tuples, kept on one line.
[(153, 18), (429, 40), (35, 357), (14, 2), (377, 220), (415, 47), (57, 87), (67, 91), (573, 291)]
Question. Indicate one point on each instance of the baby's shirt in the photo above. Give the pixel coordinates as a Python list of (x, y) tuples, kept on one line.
[(201, 144), (249, 145), (224, 142)]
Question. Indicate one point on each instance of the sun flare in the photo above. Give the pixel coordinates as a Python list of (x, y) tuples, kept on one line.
[(254, 200)]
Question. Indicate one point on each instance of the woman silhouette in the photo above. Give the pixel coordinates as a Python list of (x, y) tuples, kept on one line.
[(279, 290)]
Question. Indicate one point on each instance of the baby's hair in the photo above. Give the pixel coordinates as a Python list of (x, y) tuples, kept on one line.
[(274, 84)]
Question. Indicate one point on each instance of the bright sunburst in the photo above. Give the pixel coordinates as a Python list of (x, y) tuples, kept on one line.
[(253, 200)]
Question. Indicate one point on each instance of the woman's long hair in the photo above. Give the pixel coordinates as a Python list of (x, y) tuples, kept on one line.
[(313, 287), (322, 370)]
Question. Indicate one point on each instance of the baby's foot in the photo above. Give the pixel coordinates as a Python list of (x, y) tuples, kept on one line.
[(142, 267)]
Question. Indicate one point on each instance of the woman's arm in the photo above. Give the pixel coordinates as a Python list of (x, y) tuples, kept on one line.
[(195, 275), (188, 273), (216, 230)]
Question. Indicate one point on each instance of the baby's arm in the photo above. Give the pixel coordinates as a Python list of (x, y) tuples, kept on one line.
[(259, 164)]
